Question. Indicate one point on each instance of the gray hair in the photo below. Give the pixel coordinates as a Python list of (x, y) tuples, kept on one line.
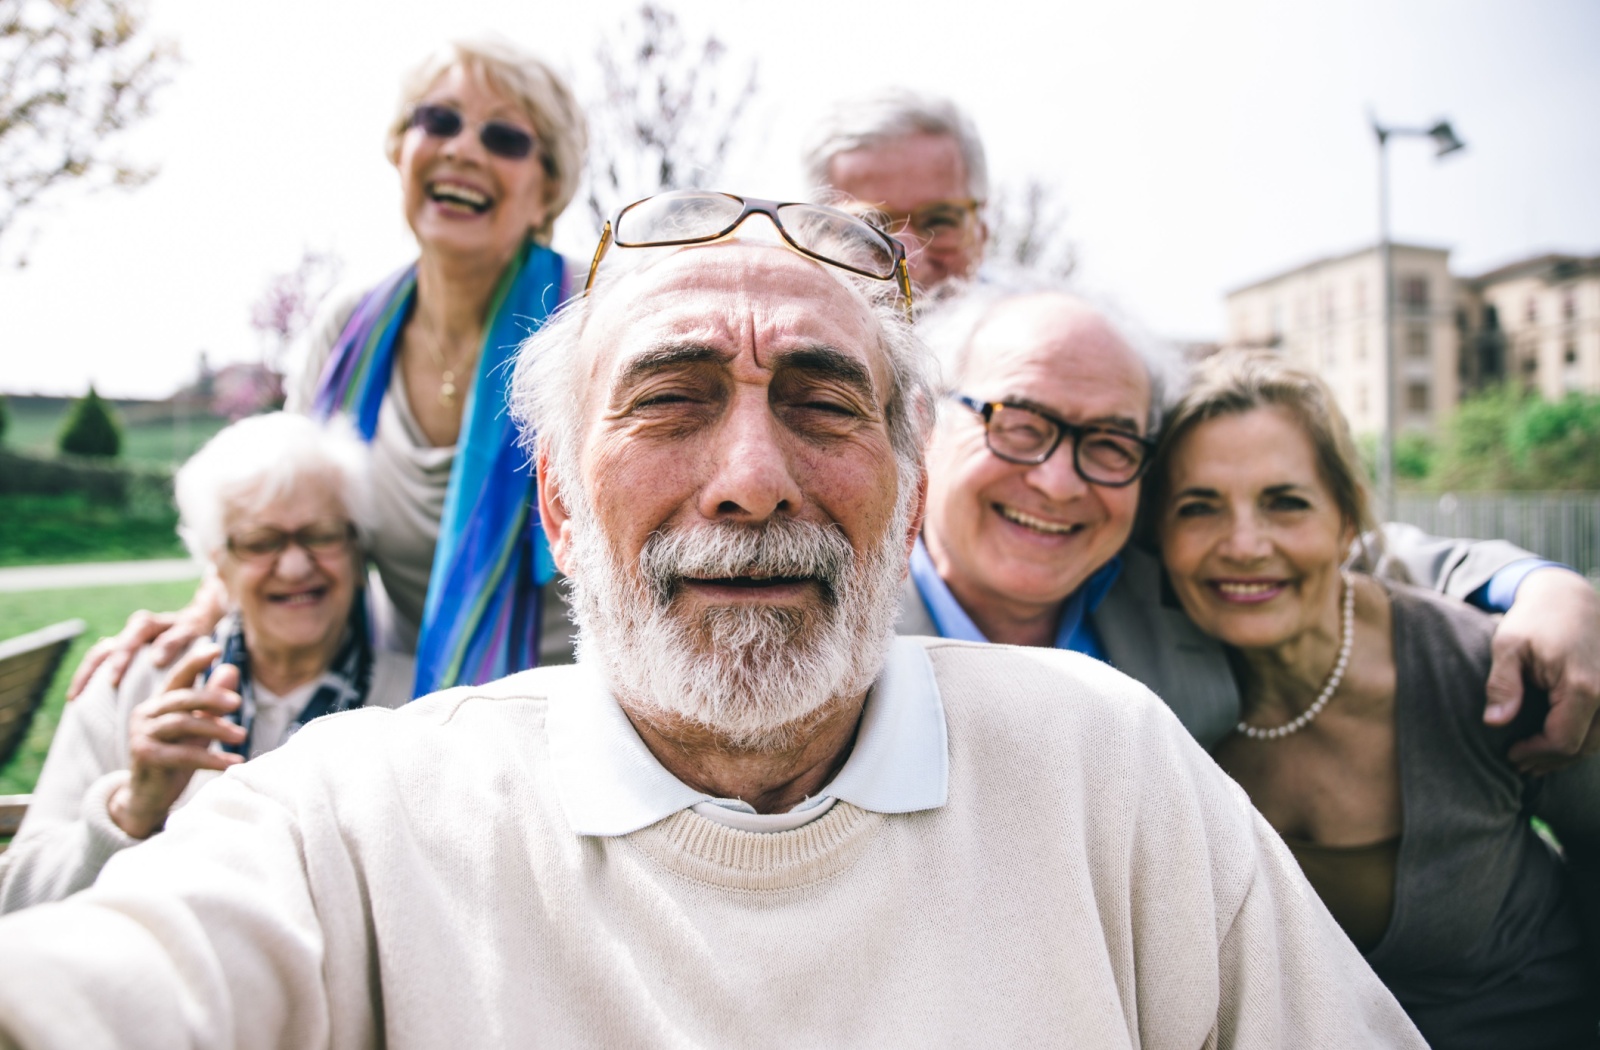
[(260, 460), (558, 121), (950, 325), (871, 120), (551, 374)]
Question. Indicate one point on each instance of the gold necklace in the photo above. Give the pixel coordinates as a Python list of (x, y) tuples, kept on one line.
[(447, 374)]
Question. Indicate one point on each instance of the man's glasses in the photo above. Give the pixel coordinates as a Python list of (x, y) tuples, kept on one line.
[(1100, 455), (937, 224), (499, 138), (699, 216), (320, 540)]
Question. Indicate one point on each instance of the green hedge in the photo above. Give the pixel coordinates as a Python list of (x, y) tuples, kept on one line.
[(144, 492)]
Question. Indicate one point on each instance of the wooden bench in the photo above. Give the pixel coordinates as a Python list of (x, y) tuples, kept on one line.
[(27, 665), (12, 809)]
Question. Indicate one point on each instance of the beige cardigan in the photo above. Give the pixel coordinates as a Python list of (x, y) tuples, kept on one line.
[(68, 834), (408, 879)]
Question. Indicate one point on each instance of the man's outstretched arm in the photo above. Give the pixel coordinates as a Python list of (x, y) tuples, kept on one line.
[(1549, 636), (205, 936)]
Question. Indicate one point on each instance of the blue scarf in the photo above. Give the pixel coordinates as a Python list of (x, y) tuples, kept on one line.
[(481, 617)]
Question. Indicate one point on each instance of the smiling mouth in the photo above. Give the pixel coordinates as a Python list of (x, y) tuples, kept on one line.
[(752, 583), (1247, 590), (306, 597), (1028, 521), (458, 196)]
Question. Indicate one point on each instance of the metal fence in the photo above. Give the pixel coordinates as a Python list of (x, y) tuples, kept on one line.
[(1561, 526)]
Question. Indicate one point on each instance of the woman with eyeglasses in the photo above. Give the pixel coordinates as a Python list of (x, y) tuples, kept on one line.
[(488, 143), (277, 506), (1362, 740)]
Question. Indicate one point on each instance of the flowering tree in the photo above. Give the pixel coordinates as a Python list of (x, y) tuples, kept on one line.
[(284, 310), (73, 74)]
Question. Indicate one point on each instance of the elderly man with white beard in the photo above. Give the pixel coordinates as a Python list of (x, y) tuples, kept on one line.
[(748, 816)]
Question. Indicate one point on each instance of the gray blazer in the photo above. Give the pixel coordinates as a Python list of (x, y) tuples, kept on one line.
[(1148, 636)]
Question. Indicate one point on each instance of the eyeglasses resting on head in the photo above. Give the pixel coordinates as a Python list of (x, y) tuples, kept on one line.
[(498, 137), (682, 217), (1028, 436)]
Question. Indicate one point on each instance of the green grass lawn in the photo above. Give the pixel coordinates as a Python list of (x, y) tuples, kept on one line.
[(104, 609)]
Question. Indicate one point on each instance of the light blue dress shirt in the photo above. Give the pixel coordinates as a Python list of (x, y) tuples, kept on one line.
[(1075, 632)]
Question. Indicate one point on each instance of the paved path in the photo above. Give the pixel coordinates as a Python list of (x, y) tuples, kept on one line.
[(96, 574)]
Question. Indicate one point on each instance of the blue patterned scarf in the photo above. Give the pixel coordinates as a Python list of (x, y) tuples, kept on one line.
[(481, 617)]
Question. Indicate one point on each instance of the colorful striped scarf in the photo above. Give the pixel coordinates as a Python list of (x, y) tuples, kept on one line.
[(481, 617), (343, 686)]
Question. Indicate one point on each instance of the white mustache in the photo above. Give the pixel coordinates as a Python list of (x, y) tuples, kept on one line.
[(781, 547)]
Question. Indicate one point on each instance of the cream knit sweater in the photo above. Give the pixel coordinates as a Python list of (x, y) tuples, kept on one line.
[(407, 879)]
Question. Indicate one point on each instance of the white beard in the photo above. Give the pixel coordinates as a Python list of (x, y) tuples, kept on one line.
[(754, 675)]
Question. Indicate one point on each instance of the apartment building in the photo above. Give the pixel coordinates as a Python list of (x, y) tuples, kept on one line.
[(1327, 316), (1536, 321)]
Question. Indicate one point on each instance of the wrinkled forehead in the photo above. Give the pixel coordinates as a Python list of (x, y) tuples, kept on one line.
[(734, 297)]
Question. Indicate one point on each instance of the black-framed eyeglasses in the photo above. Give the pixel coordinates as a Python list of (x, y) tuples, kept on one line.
[(321, 539), (826, 234), (1025, 435), (498, 137)]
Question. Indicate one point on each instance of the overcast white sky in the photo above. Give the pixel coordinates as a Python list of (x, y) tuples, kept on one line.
[(1198, 145)]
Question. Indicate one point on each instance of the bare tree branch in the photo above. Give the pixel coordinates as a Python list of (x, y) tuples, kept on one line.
[(1028, 228), (661, 120), (73, 74)]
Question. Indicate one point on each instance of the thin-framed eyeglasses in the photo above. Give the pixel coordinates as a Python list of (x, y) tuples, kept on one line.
[(1028, 436), (498, 137), (322, 539), (828, 235)]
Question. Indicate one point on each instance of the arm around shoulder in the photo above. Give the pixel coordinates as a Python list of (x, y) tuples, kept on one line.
[(1455, 567)]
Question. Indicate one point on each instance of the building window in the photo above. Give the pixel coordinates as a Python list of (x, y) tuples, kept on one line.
[(1571, 355), (1414, 293), (1417, 344), (1417, 397), (1569, 304), (1531, 311)]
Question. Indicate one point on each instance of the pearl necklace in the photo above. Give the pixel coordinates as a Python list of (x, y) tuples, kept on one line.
[(1346, 639)]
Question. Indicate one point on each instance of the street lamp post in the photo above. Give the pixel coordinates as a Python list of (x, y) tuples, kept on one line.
[(1445, 141)]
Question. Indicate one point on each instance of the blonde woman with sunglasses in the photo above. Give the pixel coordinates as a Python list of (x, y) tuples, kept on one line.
[(488, 143)]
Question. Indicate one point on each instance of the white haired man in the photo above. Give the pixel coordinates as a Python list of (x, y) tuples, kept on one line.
[(748, 816), (1029, 545), (918, 160)]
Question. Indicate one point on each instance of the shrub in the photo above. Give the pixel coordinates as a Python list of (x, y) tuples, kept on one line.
[(90, 429)]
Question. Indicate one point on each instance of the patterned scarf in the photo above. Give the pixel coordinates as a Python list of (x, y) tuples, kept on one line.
[(342, 686), (481, 617)]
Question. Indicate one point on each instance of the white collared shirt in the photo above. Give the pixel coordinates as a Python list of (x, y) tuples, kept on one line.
[(610, 784)]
